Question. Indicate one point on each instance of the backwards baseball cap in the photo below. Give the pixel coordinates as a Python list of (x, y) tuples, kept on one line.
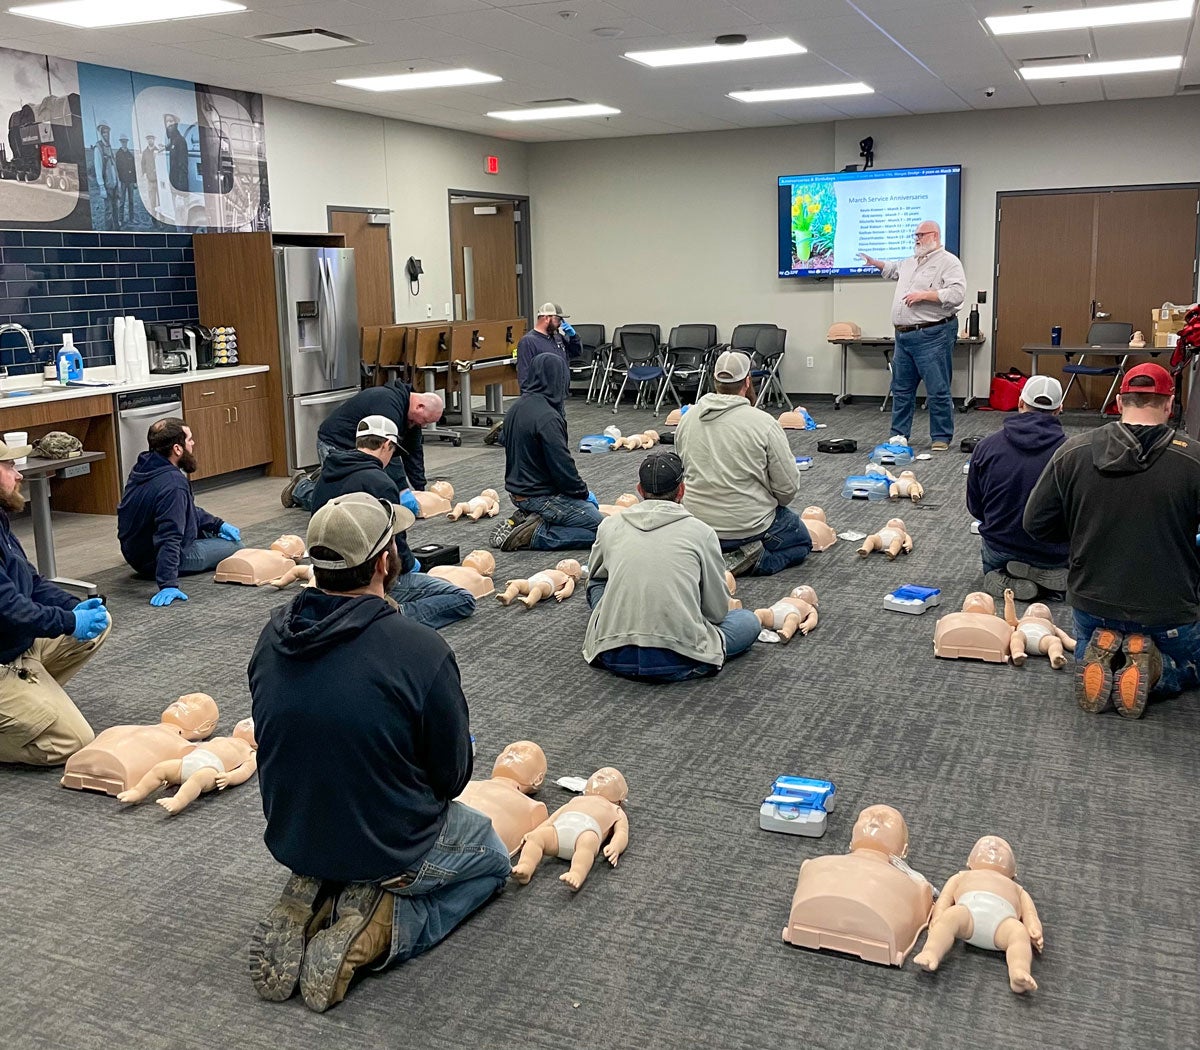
[(377, 426), (1043, 392), (1148, 378), (551, 310), (661, 473), (9, 453), (732, 367), (357, 527)]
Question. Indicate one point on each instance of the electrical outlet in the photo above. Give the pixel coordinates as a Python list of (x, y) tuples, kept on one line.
[(809, 361), (429, 309)]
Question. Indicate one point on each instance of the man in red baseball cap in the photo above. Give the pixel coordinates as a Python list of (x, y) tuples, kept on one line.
[(1126, 497)]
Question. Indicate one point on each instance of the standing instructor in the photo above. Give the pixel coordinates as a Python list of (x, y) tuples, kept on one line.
[(930, 288)]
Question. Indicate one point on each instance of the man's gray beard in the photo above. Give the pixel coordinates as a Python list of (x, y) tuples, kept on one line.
[(13, 502)]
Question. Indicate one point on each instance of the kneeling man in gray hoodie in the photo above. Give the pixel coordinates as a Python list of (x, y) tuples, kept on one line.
[(660, 607)]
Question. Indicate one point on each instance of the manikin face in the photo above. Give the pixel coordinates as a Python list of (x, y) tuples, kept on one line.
[(805, 594), (813, 514), (880, 828), (195, 714), (443, 489), (992, 853), (289, 546), (896, 523), (608, 783), (908, 474), (481, 561), (490, 494), (571, 567), (978, 602), (626, 499), (523, 762)]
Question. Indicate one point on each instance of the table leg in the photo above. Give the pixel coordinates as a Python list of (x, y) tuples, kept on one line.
[(969, 400), (887, 357), (43, 536), (432, 429), (838, 401), (494, 399)]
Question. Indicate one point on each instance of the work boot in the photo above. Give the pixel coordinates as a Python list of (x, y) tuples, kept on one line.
[(516, 531), (997, 582), (939, 446), (493, 436), (361, 934), (1143, 668), (1094, 673), (743, 559), (277, 945), (285, 497), (1053, 580)]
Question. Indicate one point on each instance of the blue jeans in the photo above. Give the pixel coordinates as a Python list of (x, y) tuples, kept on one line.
[(302, 494), (206, 554), (924, 354), (1179, 645), (466, 866), (567, 524), (430, 600), (785, 543), (996, 560)]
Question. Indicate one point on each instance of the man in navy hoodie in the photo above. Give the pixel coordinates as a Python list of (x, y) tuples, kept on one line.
[(163, 533), (1005, 466), (424, 598), (363, 744), (554, 509), (45, 637)]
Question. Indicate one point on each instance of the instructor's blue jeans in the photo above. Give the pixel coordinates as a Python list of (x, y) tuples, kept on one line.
[(1179, 645), (785, 543), (567, 524), (924, 354), (466, 866)]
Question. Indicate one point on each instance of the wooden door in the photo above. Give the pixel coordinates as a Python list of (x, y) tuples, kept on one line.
[(372, 246), (488, 290)]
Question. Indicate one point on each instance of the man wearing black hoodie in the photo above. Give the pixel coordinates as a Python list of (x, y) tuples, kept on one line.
[(1126, 497), (1004, 468), (422, 597), (363, 743), (554, 509), (163, 533)]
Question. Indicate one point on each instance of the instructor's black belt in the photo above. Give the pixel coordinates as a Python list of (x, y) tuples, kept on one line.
[(923, 324)]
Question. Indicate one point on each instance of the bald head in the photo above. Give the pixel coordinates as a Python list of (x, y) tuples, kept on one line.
[(424, 408), (928, 235)]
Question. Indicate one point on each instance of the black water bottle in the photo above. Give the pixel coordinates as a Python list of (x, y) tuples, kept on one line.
[(973, 323)]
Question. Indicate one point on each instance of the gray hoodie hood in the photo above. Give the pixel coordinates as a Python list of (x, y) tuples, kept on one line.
[(653, 514), (1119, 448), (712, 405)]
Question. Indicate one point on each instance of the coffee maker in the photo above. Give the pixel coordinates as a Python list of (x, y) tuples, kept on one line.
[(166, 346), (200, 345)]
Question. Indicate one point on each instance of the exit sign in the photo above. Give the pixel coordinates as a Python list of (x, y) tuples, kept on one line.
[(491, 165)]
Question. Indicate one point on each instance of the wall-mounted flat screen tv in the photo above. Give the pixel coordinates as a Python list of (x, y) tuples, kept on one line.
[(826, 220)]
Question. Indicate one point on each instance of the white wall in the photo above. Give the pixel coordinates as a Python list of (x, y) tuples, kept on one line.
[(318, 156), (682, 227)]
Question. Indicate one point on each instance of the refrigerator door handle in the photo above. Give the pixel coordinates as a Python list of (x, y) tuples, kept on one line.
[(326, 399)]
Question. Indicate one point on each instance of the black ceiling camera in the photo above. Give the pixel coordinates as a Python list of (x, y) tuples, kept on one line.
[(866, 150)]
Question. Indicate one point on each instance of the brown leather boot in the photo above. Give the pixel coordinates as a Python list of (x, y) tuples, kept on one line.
[(1093, 674), (1143, 668), (277, 945), (360, 934)]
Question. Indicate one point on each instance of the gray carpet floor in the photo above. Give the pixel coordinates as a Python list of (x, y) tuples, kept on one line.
[(127, 928)]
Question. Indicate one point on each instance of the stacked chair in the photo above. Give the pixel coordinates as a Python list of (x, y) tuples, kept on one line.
[(592, 338), (689, 358)]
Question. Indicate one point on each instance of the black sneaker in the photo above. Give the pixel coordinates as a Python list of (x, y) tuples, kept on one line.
[(278, 943), (743, 559), (516, 531), (285, 497), (1046, 579), (997, 582)]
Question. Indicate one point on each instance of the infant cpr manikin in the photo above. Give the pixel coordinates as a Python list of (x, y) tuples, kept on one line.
[(559, 581)]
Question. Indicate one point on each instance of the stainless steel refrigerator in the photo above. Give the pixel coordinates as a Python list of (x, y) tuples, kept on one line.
[(319, 341)]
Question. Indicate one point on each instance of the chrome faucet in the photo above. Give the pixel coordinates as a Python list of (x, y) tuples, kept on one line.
[(12, 327)]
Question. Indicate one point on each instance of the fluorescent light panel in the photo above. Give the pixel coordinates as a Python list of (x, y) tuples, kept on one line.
[(99, 14), (588, 109), (815, 91), (693, 56), (1103, 69), (1091, 17), (417, 81)]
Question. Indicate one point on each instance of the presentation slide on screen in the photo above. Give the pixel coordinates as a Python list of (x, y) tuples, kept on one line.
[(826, 220)]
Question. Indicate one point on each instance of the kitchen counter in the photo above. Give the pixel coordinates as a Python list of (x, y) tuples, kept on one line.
[(40, 393)]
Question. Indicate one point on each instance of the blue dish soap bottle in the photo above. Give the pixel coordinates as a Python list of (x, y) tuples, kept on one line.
[(69, 364)]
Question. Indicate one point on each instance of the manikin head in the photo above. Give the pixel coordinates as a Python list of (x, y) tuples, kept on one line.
[(523, 762), (289, 546), (244, 730), (571, 567), (172, 439), (896, 523), (813, 514), (992, 853), (1040, 611), (908, 474), (626, 499), (608, 783), (651, 434), (806, 594), (731, 582), (441, 488), (1147, 396), (882, 829), (481, 561), (490, 494), (978, 602), (424, 409), (927, 237), (791, 421), (194, 714)]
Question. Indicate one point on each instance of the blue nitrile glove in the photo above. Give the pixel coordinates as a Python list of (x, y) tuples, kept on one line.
[(591, 498), (809, 422), (416, 565), (230, 532), (91, 618), (167, 595), (566, 329), (407, 499)]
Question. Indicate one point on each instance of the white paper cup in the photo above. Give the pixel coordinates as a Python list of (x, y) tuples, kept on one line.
[(15, 439)]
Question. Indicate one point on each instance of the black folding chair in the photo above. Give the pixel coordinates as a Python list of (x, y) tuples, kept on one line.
[(764, 367), (591, 338), (642, 364), (688, 360), (1101, 333)]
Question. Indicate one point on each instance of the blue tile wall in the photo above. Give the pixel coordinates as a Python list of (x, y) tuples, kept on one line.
[(53, 282)]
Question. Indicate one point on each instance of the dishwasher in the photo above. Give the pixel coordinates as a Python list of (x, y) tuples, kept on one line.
[(135, 412)]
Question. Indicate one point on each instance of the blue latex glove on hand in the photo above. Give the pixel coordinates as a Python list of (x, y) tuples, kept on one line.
[(91, 619), (416, 565), (167, 595), (230, 532), (407, 499), (591, 498), (566, 329)]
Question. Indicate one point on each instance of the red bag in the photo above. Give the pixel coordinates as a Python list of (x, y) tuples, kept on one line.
[(1006, 390)]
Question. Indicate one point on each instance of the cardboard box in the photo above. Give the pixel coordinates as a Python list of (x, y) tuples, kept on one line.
[(1165, 340), (1165, 322)]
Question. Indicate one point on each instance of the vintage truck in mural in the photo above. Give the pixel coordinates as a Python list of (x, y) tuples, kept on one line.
[(44, 143)]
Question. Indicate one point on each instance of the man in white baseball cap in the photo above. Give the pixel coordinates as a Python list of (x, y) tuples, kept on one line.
[(741, 474), (551, 334), (1005, 467)]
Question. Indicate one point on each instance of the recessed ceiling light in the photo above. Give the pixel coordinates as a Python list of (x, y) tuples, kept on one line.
[(416, 81), (608, 31), (98, 14), (692, 56), (588, 109), (1102, 69), (307, 40), (1091, 17), (816, 91)]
